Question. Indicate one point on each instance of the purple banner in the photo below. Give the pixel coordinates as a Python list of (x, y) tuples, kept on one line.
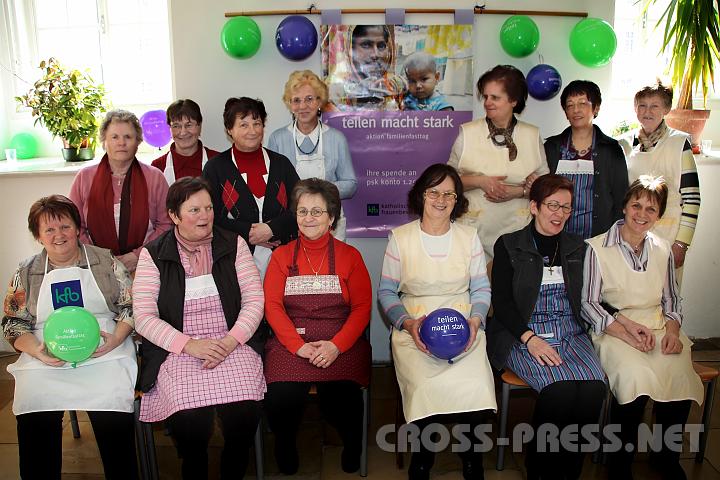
[(389, 151)]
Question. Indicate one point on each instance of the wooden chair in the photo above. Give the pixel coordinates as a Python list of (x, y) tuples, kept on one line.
[(708, 375), (510, 382)]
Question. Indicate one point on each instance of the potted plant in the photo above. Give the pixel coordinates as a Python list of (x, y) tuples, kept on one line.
[(692, 35), (67, 102)]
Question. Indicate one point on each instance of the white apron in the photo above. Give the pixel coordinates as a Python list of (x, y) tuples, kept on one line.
[(313, 165), (261, 255), (169, 171), (666, 160), (638, 295), (431, 386), (481, 157), (106, 383)]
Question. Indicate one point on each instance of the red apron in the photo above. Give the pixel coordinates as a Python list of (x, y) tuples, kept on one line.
[(318, 310)]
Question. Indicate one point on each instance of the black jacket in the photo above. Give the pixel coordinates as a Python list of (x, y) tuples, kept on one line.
[(610, 181), (516, 277), (281, 179), (171, 298)]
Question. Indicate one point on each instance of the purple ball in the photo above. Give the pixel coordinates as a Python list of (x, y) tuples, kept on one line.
[(544, 82), (445, 332), (296, 38)]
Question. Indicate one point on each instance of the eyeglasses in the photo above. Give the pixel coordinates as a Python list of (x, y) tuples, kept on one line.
[(555, 206), (315, 212), (579, 105), (309, 100), (434, 195), (187, 126)]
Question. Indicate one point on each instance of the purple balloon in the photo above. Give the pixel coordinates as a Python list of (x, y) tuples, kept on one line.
[(155, 129), (296, 38), (445, 332), (544, 82)]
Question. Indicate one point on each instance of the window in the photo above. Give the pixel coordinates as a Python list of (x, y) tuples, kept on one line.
[(637, 62), (125, 44)]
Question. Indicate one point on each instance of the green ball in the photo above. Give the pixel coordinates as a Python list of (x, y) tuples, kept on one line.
[(240, 37), (519, 36), (26, 144), (71, 334), (593, 42)]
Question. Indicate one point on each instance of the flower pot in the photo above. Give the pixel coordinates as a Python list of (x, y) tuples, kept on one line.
[(689, 121), (78, 154)]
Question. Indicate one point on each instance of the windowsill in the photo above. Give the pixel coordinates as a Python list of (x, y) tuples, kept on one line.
[(54, 165)]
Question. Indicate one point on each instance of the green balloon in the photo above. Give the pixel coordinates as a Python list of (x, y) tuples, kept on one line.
[(240, 37), (519, 36), (71, 334), (593, 42), (26, 144)]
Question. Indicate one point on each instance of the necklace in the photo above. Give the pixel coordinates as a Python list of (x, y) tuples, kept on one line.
[(316, 272), (635, 248), (119, 178), (315, 145), (557, 245)]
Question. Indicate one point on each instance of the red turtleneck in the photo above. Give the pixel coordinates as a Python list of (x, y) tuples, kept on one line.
[(354, 282)]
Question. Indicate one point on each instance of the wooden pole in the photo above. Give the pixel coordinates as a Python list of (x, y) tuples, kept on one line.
[(449, 11)]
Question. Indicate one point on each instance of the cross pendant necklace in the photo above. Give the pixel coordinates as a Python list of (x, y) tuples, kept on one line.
[(554, 257)]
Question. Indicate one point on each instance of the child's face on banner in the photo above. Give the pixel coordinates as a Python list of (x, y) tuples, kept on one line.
[(371, 51)]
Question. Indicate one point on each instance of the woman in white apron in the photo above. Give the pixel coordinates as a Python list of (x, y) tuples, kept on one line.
[(315, 149), (199, 302), (67, 273), (659, 150), (187, 156), (594, 162), (631, 298), (536, 329), (433, 263), (498, 157)]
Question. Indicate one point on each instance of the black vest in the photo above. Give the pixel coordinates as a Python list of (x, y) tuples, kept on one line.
[(171, 298)]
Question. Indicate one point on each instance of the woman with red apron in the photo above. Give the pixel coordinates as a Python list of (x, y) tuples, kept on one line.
[(317, 300)]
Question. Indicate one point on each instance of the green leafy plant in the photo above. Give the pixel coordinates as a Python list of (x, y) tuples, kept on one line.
[(623, 127), (692, 36), (67, 102)]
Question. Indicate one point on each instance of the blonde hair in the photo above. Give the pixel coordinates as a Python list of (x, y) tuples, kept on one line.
[(300, 78)]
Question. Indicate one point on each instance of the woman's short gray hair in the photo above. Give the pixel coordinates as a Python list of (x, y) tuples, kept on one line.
[(120, 116), (316, 186)]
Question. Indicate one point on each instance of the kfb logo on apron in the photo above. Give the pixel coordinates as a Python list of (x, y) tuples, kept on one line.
[(66, 294)]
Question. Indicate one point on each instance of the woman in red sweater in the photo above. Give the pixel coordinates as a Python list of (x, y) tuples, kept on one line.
[(317, 301)]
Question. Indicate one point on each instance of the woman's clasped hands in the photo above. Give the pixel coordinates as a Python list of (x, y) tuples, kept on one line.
[(321, 353), (211, 351)]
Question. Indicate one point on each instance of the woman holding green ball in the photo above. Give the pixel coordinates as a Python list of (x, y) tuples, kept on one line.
[(67, 273)]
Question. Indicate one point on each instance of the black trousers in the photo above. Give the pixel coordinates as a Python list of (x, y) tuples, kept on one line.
[(192, 429), (629, 416), (340, 403), (423, 460), (40, 444), (562, 404)]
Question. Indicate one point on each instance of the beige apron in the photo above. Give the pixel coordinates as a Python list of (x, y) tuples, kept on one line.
[(105, 383), (666, 160), (638, 295), (481, 157), (429, 385)]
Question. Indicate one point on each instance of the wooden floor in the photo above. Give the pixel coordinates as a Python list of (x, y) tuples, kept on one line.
[(319, 444)]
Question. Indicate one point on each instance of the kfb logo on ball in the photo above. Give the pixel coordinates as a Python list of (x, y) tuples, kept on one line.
[(445, 333)]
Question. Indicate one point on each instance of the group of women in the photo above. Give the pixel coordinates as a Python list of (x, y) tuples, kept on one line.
[(177, 252), (532, 210), (258, 237)]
